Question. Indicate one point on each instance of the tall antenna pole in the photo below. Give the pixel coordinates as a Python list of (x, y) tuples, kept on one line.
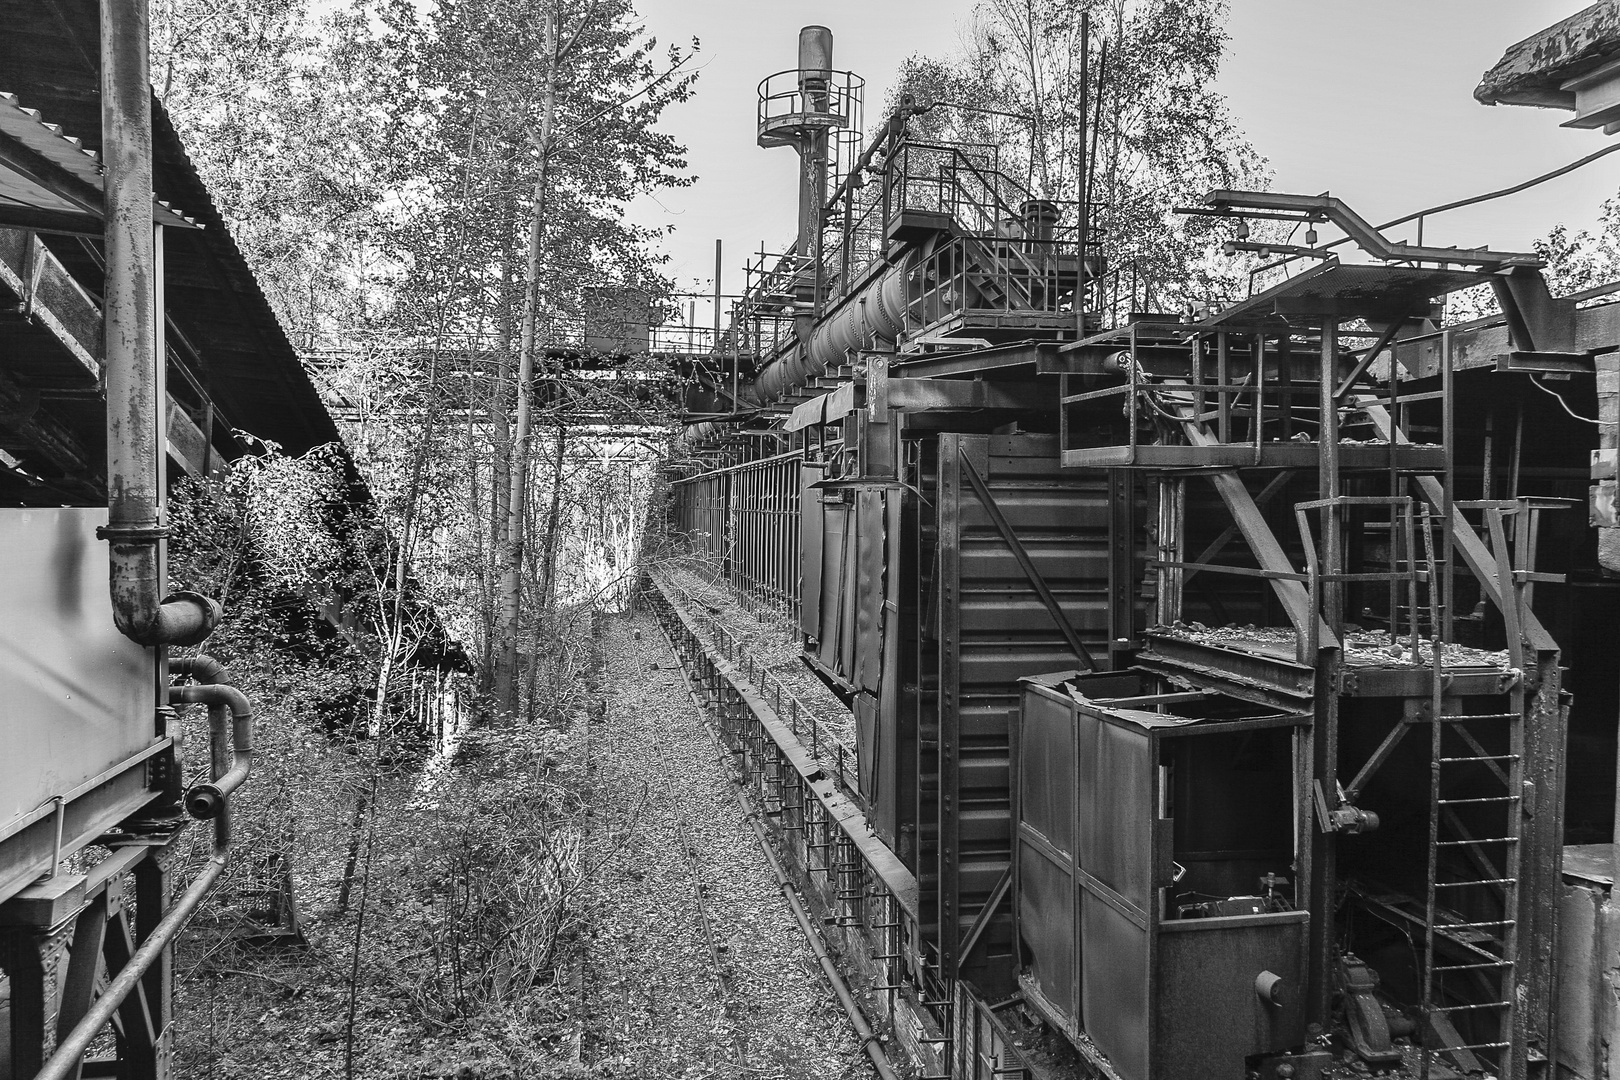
[(1080, 184)]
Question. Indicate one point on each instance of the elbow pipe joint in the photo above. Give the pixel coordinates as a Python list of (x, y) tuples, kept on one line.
[(209, 800), (181, 618)]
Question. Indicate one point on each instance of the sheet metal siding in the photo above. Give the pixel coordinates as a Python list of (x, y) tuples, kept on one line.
[(809, 553), (835, 542), (994, 630), (923, 693), (1205, 1007), (79, 695), (1161, 999), (893, 784), (871, 559), (1045, 895)]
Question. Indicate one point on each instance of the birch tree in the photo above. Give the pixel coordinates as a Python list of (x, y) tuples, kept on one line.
[(558, 123)]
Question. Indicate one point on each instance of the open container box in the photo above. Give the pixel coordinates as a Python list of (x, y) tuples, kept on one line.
[(1144, 817)]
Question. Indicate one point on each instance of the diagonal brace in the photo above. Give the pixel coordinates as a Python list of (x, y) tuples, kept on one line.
[(982, 490), (1228, 534), (1479, 557), (986, 914)]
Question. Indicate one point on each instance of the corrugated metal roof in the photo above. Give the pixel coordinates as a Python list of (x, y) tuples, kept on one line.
[(49, 61), (34, 188)]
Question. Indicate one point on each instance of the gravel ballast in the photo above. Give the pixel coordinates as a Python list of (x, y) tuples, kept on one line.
[(659, 1001)]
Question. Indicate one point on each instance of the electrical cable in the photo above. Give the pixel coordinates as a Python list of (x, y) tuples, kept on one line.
[(1513, 190), (1560, 397), (982, 109)]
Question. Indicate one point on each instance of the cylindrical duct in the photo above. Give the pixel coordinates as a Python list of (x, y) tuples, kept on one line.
[(1040, 220), (877, 310), (130, 319), (815, 57)]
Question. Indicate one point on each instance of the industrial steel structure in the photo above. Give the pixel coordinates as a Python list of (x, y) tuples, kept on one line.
[(1231, 690), (135, 347)]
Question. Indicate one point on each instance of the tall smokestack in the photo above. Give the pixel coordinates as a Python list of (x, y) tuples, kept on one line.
[(815, 73)]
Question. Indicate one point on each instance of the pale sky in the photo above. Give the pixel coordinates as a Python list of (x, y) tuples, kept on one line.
[(1370, 99)]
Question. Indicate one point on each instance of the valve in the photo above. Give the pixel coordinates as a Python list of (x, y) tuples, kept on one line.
[(1346, 818)]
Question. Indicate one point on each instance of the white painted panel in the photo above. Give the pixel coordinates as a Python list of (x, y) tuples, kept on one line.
[(76, 696)]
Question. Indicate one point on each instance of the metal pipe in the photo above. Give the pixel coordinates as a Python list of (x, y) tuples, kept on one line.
[(857, 1020), (219, 692), (878, 309), (207, 800), (64, 1062), (134, 525)]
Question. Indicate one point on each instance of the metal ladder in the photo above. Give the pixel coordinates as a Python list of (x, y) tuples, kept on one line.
[(1475, 840)]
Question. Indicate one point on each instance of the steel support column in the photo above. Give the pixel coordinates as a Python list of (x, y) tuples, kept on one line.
[(1323, 884)]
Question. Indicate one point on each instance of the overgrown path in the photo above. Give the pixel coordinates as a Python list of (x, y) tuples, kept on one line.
[(696, 968)]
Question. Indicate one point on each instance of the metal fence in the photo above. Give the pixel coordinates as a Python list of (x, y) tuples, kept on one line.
[(745, 520)]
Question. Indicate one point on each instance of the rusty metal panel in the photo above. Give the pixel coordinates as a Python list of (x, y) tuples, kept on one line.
[(79, 695), (1045, 885), (1206, 1010), (871, 550), (1047, 924), (994, 628), (869, 761), (949, 781), (1162, 997), (1118, 848), (1046, 772), (810, 540), (848, 575), (892, 808), (1114, 961), (834, 522), (1114, 986)]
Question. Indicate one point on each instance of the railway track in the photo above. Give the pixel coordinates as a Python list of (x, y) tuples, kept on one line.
[(719, 952), (696, 968)]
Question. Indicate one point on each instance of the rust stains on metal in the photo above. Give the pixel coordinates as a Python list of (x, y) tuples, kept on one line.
[(1532, 71)]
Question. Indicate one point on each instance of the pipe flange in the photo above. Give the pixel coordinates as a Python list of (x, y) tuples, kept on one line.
[(131, 534)]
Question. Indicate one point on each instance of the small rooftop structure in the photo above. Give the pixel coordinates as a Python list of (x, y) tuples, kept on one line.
[(1573, 65)]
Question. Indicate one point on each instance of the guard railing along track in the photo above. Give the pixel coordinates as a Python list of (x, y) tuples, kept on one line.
[(802, 719), (821, 833)]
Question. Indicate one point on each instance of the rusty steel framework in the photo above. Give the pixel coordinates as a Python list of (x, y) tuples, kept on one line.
[(1211, 673), (135, 347), (744, 519)]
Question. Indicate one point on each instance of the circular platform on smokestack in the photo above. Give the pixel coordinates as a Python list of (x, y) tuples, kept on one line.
[(797, 103)]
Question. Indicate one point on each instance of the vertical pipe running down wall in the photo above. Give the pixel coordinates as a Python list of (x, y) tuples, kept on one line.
[(134, 496)]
